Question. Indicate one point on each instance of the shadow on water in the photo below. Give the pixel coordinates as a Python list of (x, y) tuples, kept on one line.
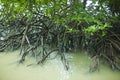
[(52, 69)]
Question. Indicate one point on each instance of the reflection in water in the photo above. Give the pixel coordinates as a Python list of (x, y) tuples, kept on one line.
[(52, 69)]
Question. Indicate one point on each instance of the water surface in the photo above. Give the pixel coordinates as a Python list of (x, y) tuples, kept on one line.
[(52, 69)]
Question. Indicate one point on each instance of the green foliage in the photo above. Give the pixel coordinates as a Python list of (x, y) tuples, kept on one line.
[(61, 12), (95, 28), (71, 30)]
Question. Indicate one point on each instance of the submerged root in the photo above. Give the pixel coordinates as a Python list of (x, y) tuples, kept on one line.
[(94, 64), (26, 53), (113, 61), (64, 61), (45, 57), (115, 64)]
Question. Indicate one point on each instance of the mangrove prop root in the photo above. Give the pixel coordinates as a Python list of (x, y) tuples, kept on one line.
[(64, 61), (95, 64), (114, 61), (10, 42), (45, 57), (26, 53)]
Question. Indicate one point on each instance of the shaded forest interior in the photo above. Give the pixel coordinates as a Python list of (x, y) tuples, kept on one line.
[(40, 27)]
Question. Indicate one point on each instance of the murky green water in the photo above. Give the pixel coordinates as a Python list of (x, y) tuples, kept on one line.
[(52, 69)]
